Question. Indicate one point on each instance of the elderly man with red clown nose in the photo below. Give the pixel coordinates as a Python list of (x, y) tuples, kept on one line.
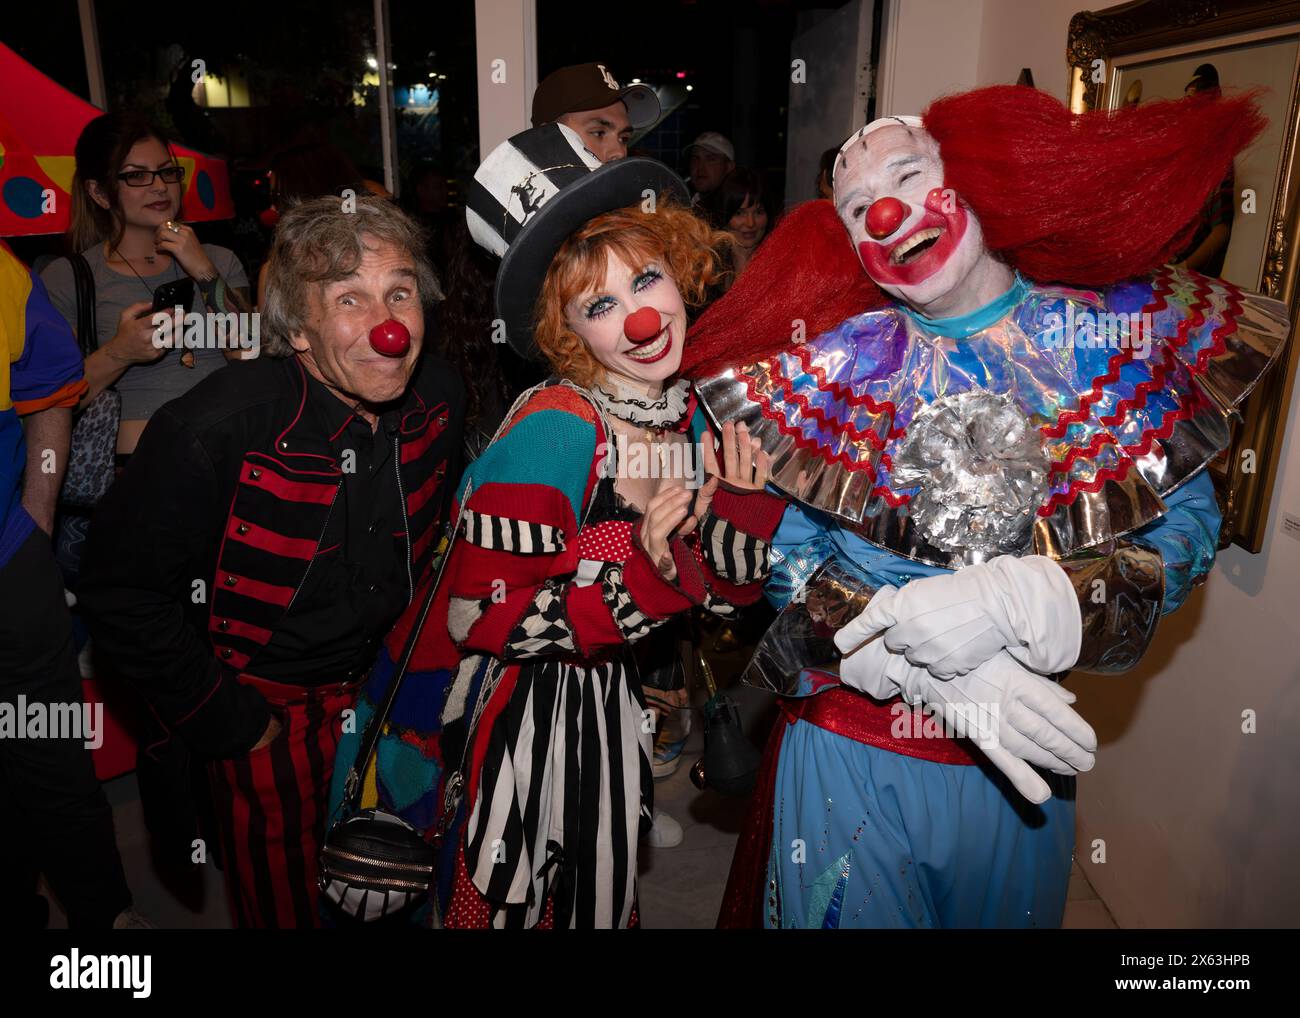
[(996, 443), (272, 526)]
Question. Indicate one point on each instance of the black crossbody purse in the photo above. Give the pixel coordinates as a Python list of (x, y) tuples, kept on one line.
[(373, 863)]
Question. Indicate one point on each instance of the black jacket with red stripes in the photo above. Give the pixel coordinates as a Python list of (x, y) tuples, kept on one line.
[(197, 552)]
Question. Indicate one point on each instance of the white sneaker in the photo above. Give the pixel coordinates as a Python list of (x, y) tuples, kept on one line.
[(666, 832)]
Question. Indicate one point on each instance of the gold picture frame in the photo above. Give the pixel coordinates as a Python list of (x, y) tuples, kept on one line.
[(1108, 52)]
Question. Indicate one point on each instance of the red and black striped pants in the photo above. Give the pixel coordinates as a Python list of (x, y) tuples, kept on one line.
[(270, 806)]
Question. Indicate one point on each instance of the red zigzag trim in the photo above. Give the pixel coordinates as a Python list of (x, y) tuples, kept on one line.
[(841, 392), (801, 440), (1066, 497), (1090, 450), (1161, 288)]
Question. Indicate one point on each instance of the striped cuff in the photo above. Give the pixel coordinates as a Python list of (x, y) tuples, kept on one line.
[(735, 556), (502, 533)]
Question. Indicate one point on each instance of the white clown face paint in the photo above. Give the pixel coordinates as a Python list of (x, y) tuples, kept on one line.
[(929, 250), (641, 358)]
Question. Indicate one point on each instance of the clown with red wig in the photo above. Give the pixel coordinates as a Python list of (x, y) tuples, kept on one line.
[(995, 444)]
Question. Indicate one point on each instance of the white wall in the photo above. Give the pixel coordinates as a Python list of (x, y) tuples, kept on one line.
[(505, 31), (1200, 821), (928, 48), (1018, 34)]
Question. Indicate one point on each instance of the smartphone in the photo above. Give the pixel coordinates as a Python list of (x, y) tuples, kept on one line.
[(169, 295)]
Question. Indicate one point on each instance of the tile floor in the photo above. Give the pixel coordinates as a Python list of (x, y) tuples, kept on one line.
[(680, 887)]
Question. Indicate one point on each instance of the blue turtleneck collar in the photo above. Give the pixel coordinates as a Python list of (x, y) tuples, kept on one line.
[(961, 326)]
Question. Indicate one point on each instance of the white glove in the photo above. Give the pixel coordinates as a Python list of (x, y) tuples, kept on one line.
[(869, 666), (1012, 714), (952, 623), (1019, 718)]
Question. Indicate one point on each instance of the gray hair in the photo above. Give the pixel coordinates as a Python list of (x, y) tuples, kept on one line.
[(321, 240)]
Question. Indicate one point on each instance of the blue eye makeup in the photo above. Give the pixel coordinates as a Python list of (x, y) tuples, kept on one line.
[(599, 307), (646, 278)]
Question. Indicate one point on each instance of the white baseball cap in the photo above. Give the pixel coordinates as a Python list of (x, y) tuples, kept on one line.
[(712, 141)]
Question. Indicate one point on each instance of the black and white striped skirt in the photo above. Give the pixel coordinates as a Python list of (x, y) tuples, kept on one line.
[(565, 793)]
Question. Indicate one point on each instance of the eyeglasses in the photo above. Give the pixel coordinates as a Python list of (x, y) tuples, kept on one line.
[(143, 178)]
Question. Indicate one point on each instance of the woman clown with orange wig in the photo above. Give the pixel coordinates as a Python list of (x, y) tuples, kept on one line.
[(520, 740)]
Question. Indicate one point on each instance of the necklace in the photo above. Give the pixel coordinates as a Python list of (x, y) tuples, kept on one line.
[(150, 259), (187, 356)]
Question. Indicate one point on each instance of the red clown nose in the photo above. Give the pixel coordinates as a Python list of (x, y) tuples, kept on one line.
[(390, 338), (642, 325), (885, 216)]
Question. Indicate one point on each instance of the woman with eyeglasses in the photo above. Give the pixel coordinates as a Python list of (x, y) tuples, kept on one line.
[(126, 224)]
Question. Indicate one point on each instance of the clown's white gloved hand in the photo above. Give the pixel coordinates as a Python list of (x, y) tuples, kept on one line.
[(952, 623), (1012, 714), (869, 666), (1016, 717)]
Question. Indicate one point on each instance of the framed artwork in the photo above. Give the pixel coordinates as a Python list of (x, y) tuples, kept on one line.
[(1157, 49)]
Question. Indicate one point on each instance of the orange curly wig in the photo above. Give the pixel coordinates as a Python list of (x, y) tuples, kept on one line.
[(673, 234)]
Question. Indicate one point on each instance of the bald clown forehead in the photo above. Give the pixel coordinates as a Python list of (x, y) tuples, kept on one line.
[(881, 137), (862, 133), (897, 160)]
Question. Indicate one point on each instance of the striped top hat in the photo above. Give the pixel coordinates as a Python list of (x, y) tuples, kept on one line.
[(531, 193)]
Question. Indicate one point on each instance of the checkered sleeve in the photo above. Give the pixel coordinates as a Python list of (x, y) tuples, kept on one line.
[(514, 588), (515, 594)]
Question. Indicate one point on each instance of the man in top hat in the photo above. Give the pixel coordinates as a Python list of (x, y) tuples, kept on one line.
[(586, 98)]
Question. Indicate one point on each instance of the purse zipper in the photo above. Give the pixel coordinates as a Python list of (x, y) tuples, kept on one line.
[(331, 850), (389, 883)]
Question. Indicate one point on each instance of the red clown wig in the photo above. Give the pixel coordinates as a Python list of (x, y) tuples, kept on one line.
[(1086, 199)]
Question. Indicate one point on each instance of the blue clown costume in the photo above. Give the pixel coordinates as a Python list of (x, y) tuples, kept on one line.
[(1122, 397)]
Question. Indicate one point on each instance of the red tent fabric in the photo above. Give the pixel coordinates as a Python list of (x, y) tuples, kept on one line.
[(39, 124)]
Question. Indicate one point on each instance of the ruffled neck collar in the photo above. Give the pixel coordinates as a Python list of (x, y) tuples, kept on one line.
[(626, 404)]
